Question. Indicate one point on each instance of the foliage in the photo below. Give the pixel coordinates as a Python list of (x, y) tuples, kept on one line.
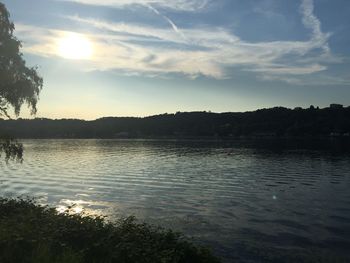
[(19, 84), (272, 122), (12, 149), (33, 233)]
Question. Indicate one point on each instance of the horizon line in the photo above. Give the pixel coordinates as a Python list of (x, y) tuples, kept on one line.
[(177, 112)]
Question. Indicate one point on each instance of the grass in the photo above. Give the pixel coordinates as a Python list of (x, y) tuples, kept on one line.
[(33, 233)]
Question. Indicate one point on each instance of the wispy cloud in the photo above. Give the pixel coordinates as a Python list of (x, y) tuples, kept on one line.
[(266, 9), (172, 24), (209, 51), (183, 5), (314, 24)]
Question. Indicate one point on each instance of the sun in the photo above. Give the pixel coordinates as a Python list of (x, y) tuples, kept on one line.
[(75, 46)]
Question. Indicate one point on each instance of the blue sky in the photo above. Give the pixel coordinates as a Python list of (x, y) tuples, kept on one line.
[(157, 56)]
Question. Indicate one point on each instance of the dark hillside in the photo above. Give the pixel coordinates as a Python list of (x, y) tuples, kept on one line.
[(278, 121)]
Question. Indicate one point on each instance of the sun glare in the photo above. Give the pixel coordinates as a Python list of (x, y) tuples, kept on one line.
[(75, 46)]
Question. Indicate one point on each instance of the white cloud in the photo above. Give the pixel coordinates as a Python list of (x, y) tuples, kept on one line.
[(311, 22), (172, 24), (209, 51), (321, 80), (183, 5), (292, 70)]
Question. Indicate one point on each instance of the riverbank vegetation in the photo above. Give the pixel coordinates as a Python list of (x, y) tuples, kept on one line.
[(33, 233)]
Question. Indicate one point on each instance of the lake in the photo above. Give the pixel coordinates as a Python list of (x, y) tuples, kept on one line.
[(243, 198)]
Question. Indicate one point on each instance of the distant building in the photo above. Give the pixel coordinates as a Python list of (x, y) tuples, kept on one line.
[(336, 106), (334, 134), (121, 135), (263, 134)]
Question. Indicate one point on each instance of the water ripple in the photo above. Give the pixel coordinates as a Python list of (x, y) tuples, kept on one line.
[(214, 191)]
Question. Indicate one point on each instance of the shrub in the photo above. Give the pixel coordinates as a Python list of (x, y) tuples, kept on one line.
[(33, 233)]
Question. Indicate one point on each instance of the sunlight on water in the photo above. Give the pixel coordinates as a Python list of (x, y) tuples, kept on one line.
[(71, 206), (221, 193)]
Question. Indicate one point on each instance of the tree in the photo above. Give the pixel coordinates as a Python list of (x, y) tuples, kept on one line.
[(19, 84)]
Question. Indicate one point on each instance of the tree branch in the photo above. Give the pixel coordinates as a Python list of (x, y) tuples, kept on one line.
[(12, 149)]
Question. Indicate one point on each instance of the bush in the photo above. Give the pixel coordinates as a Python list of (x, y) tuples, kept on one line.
[(33, 233)]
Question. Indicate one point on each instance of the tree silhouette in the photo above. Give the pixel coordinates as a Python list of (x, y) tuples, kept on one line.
[(19, 84)]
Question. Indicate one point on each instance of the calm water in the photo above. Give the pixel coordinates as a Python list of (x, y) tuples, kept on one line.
[(233, 196)]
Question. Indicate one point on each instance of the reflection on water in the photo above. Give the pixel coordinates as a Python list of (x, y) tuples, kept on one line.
[(223, 193)]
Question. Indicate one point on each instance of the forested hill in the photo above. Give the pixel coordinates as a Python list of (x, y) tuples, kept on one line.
[(331, 121)]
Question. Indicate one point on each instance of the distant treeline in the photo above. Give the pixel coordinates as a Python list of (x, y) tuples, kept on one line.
[(278, 121)]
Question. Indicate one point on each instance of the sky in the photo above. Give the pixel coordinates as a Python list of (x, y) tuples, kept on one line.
[(144, 57)]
